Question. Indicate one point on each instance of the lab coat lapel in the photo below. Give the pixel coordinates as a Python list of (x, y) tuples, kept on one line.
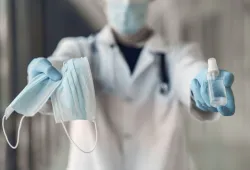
[(146, 59), (154, 45), (117, 68)]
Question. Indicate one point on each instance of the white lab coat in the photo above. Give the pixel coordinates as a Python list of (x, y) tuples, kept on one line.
[(139, 128)]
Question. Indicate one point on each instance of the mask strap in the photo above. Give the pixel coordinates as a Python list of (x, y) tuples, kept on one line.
[(96, 137), (18, 132)]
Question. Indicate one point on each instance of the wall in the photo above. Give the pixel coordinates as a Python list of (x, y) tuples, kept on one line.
[(223, 32)]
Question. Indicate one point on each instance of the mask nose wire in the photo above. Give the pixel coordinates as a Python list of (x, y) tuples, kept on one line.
[(76, 145), (18, 132)]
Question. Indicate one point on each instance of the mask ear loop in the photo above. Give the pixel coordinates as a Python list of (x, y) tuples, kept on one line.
[(72, 141), (18, 132)]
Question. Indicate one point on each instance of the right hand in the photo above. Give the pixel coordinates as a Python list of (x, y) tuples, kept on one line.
[(42, 65)]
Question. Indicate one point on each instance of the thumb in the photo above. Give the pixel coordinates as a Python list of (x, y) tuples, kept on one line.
[(53, 74)]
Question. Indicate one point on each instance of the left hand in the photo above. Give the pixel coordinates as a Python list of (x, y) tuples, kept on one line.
[(199, 88)]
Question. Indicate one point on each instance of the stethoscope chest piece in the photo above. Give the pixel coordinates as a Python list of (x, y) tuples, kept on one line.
[(163, 88)]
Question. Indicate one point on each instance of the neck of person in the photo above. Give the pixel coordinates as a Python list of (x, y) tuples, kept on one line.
[(136, 40)]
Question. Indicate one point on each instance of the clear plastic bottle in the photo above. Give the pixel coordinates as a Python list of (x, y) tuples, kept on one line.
[(217, 90)]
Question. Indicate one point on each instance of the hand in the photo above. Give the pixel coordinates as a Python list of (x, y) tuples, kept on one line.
[(42, 65), (199, 88)]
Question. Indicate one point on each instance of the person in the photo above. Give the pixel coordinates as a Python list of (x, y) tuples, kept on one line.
[(144, 88)]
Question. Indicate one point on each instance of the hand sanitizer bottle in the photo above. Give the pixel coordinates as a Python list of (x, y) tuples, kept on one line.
[(217, 90)]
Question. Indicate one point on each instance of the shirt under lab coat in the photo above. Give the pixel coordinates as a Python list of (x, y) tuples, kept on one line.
[(139, 128)]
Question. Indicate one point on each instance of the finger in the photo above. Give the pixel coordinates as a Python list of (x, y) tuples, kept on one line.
[(42, 65), (212, 109), (37, 66), (202, 107), (53, 74), (205, 108), (229, 109), (195, 87), (205, 93), (228, 78)]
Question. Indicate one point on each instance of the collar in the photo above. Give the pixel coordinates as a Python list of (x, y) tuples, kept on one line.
[(154, 44), (105, 36)]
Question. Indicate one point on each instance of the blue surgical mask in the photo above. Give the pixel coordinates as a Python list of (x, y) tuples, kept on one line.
[(72, 98), (127, 18)]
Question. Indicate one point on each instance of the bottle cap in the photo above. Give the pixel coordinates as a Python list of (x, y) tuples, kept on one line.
[(212, 66)]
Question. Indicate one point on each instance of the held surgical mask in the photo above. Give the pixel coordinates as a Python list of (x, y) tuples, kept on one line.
[(127, 18), (72, 98)]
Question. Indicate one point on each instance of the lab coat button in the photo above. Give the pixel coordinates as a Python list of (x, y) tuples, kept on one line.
[(163, 88)]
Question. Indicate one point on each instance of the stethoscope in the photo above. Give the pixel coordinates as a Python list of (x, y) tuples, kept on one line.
[(163, 74)]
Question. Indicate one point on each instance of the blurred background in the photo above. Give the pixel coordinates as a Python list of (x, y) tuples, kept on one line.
[(32, 28)]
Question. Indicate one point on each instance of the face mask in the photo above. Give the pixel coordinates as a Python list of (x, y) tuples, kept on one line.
[(72, 98), (127, 18), (30, 100), (75, 99)]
